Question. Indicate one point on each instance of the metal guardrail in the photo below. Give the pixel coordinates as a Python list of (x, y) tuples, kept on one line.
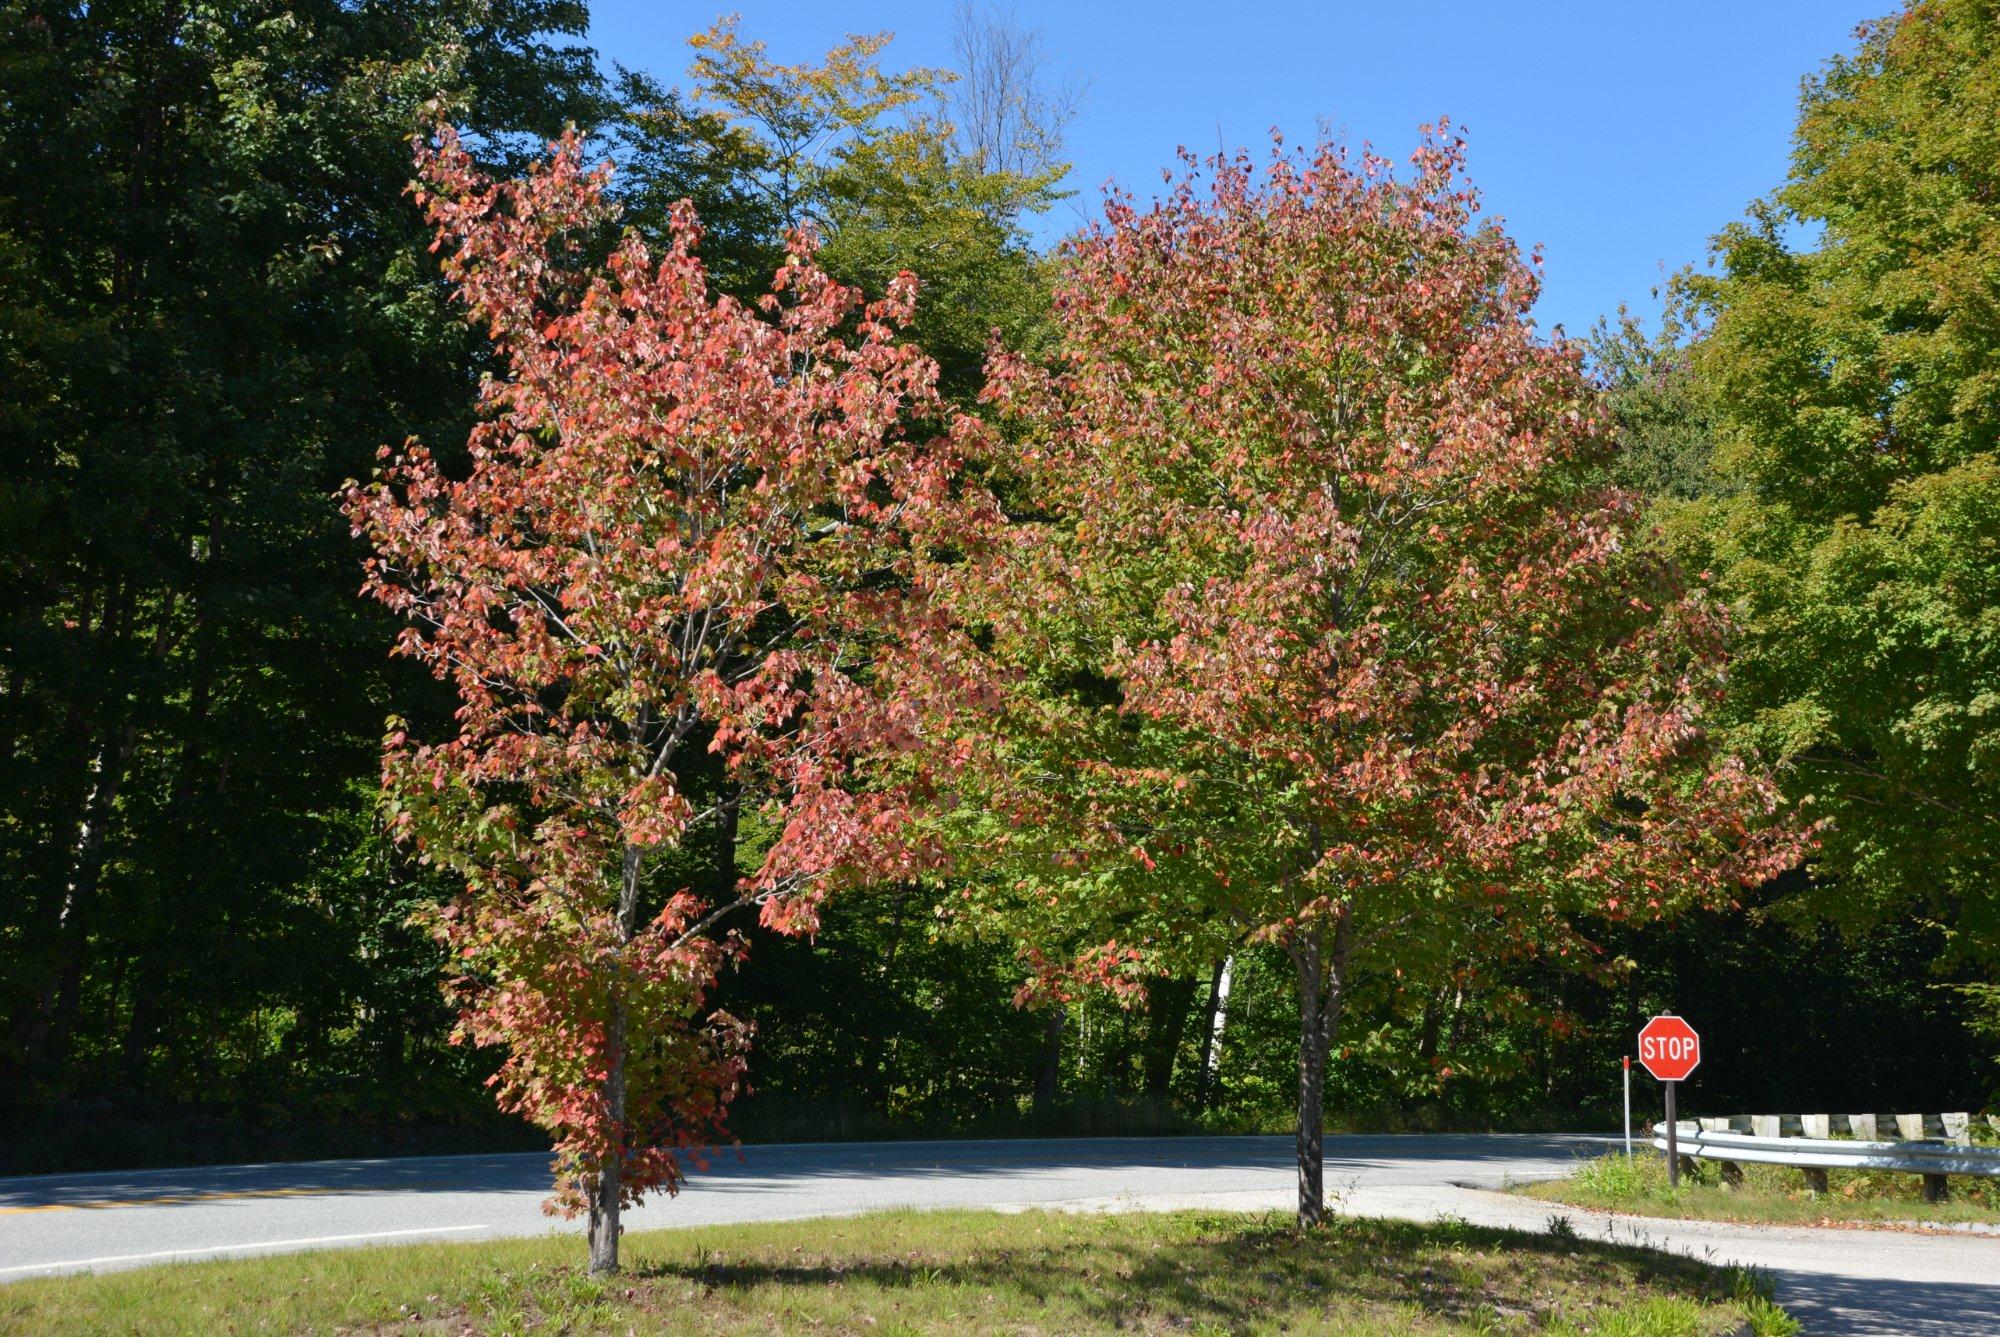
[(1906, 1157), (1806, 1142)]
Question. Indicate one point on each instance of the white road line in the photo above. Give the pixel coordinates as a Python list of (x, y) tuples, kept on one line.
[(226, 1250)]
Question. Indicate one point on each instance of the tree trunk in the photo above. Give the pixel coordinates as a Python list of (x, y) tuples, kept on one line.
[(1427, 1037), (1045, 1080), (877, 1080), (11, 713), (108, 759), (1322, 970), (726, 875), (606, 1195), (1214, 1018), (50, 1038), (139, 1029), (1167, 1008), (1312, 1086), (904, 890), (607, 1191)]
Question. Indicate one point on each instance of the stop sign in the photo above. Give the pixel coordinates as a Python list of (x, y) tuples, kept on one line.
[(1669, 1048)]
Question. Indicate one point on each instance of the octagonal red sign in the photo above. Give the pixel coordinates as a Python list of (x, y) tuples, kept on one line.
[(1669, 1048)]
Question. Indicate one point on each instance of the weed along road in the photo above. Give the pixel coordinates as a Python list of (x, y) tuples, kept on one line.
[(1838, 1281)]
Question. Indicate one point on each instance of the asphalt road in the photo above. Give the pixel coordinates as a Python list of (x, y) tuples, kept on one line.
[(1839, 1281)]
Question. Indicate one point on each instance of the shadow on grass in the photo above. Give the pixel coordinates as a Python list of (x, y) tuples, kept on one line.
[(1229, 1276)]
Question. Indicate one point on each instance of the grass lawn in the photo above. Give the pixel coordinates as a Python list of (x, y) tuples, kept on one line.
[(1772, 1194), (959, 1272)]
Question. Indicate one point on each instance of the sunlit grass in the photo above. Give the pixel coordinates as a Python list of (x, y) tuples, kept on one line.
[(962, 1272), (1769, 1193)]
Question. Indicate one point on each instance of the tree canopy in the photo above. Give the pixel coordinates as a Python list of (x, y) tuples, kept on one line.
[(1323, 628), (1850, 366), (888, 167), (680, 592), (217, 302)]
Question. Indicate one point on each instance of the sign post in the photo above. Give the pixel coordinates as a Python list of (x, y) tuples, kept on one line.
[(1628, 1107), (1670, 1050), (1673, 1139)]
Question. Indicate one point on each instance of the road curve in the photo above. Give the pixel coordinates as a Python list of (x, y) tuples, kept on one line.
[(1840, 1281), (67, 1222)]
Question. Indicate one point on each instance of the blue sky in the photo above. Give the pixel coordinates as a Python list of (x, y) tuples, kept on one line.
[(1618, 134)]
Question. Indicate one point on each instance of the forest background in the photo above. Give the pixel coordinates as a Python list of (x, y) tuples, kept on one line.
[(217, 302)]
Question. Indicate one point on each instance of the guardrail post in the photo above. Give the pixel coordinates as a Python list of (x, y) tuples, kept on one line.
[(1815, 1177), (1732, 1174), (1936, 1188)]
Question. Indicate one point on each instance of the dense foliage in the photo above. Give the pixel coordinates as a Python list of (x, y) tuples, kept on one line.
[(877, 162), (1324, 635), (1853, 384), (681, 595), (216, 303)]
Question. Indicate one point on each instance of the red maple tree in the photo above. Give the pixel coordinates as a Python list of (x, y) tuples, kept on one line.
[(1326, 628), (682, 584)]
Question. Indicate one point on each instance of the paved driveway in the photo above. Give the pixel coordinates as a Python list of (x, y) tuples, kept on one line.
[(1839, 1281)]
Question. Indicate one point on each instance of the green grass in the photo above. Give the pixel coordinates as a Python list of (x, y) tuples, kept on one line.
[(958, 1272), (1772, 1194)]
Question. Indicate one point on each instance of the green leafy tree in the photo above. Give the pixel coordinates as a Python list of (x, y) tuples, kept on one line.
[(1659, 417), (1851, 370), (882, 164), (1319, 627)]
